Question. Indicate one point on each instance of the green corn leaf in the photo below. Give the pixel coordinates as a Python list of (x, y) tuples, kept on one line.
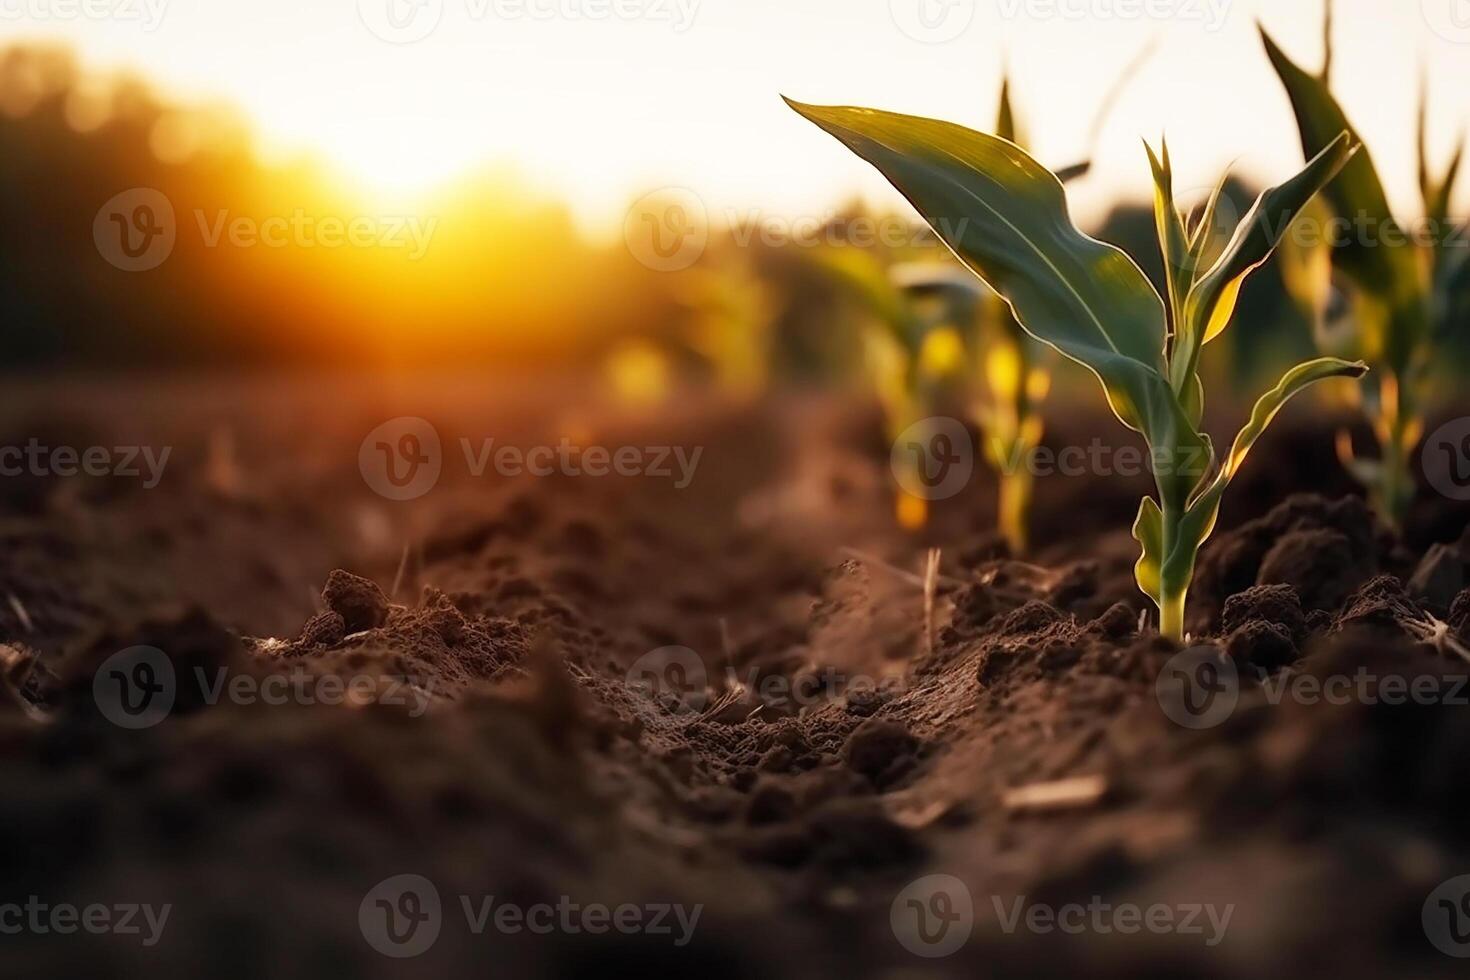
[(1176, 563), (1074, 172), (1438, 207), (1202, 234), (1390, 274), (1005, 217), (1211, 301), (1266, 409), (1007, 123), (1173, 242), (1148, 531)]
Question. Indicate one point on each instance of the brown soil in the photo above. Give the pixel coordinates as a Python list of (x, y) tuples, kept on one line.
[(538, 770)]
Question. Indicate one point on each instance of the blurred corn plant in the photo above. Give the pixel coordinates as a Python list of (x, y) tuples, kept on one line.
[(913, 352), (1374, 293), (734, 315)]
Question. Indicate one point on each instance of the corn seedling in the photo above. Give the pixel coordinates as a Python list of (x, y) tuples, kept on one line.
[(733, 319), (913, 353), (1005, 217), (1392, 294)]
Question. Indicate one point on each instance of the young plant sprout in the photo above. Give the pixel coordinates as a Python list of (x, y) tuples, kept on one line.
[(1005, 217), (914, 353), (734, 313), (1394, 294)]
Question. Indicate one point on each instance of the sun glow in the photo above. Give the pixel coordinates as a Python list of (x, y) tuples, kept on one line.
[(601, 111)]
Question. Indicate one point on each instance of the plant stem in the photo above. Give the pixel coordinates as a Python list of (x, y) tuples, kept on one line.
[(1015, 509), (1173, 586), (1171, 616)]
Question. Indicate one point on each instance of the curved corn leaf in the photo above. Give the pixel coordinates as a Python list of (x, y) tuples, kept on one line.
[(1390, 273), (1005, 217), (1266, 409), (1211, 301), (1174, 560), (1201, 235), (1173, 242), (1148, 531)]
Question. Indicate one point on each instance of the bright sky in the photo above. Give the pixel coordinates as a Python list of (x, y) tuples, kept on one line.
[(600, 110)]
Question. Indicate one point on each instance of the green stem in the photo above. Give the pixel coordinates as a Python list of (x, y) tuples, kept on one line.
[(1173, 585)]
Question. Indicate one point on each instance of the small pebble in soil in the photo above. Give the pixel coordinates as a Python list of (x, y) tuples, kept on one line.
[(1277, 604), (1262, 643), (359, 601), (325, 629), (877, 747)]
